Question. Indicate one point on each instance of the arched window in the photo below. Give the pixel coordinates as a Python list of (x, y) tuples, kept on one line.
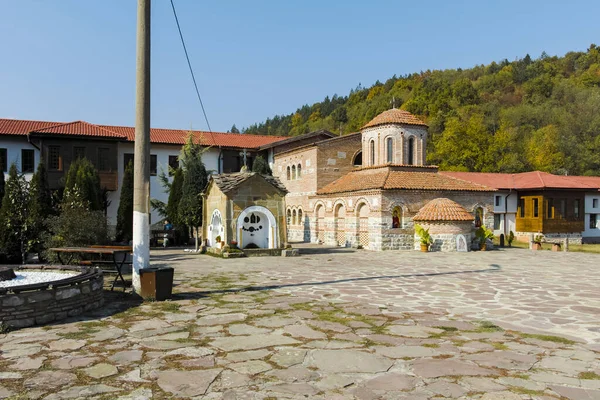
[(478, 217), (288, 173), (411, 151), (300, 220), (289, 216), (294, 221), (294, 172), (357, 162), (299, 171), (397, 217), (372, 150), (390, 149)]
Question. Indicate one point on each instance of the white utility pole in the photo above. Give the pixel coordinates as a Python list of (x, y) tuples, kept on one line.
[(141, 162)]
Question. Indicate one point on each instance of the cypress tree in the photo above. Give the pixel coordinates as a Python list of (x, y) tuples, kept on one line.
[(83, 183), (194, 181), (40, 205), (125, 212), (13, 217), (2, 184), (261, 166), (175, 193)]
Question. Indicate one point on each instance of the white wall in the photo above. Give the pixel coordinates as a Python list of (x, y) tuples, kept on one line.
[(210, 158), (507, 209), (590, 209), (13, 146)]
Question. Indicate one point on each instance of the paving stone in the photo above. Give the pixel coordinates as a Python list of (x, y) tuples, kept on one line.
[(504, 359), (303, 389), (564, 365), (501, 396), (275, 322), (446, 389), (433, 368), (10, 375), (132, 376), (245, 329), (523, 383), (190, 352), (304, 331), (152, 333), (70, 362), (82, 392), (138, 394), (201, 362), (413, 331), (252, 367), (573, 393), (287, 357), (330, 326), (407, 351), (186, 383), (101, 370), (66, 344), (335, 382), (17, 350), (5, 393), (294, 374), (28, 363), (165, 344), (111, 333), (149, 325), (252, 342), (332, 344), (49, 380), (478, 384), (392, 381), (247, 355), (348, 361), (173, 336), (126, 357), (548, 377), (231, 379), (220, 319)]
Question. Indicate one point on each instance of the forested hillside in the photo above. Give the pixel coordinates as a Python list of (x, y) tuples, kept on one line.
[(541, 114)]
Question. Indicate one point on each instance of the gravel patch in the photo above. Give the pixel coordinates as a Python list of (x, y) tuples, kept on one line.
[(32, 277)]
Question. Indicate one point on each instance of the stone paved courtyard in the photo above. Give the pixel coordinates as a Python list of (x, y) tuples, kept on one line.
[(331, 324)]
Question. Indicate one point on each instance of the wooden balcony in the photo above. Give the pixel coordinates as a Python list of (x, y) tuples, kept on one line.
[(109, 180)]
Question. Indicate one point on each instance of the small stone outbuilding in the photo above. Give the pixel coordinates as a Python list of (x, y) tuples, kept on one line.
[(244, 207), (450, 225)]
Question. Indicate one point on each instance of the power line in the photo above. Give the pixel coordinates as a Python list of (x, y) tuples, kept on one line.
[(190, 65)]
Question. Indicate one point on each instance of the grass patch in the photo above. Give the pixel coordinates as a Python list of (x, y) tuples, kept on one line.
[(548, 338), (488, 327), (431, 345), (521, 376), (169, 306), (499, 346), (447, 328), (588, 375), (522, 390)]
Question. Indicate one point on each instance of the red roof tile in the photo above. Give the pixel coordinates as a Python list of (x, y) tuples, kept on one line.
[(157, 135), (389, 178), (22, 127), (80, 128), (394, 116), (527, 180), (443, 209)]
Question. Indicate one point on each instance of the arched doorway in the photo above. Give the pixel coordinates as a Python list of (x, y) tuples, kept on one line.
[(257, 228), (362, 213), (320, 224), (340, 225), (215, 229)]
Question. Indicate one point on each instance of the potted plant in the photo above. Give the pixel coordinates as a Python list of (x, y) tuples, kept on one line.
[(425, 237), (537, 242), (483, 234), (217, 241), (511, 238)]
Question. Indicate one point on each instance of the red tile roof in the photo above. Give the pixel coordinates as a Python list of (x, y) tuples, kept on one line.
[(527, 180), (389, 178), (394, 116), (22, 127), (157, 135), (79, 128), (443, 209)]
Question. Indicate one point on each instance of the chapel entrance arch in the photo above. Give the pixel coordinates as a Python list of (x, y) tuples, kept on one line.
[(257, 228), (215, 229)]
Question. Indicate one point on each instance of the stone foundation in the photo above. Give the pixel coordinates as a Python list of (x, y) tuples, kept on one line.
[(20, 307)]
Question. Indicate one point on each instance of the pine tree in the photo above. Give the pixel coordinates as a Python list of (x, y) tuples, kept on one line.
[(261, 166), (234, 129), (40, 206), (83, 178), (194, 181), (13, 217), (125, 211), (2, 184)]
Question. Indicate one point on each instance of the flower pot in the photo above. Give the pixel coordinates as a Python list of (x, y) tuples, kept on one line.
[(536, 246), (424, 247), (483, 246)]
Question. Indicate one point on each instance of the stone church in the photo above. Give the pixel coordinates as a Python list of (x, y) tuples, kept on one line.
[(364, 189)]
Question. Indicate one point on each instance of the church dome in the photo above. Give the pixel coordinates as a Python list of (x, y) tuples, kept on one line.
[(443, 209), (394, 116)]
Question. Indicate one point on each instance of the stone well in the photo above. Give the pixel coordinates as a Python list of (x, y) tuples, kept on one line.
[(37, 304), (446, 221)]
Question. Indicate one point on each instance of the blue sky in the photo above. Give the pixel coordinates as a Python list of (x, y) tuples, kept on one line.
[(64, 60)]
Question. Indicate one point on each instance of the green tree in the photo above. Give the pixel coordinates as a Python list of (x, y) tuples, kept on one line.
[(40, 207), (125, 211), (2, 184), (15, 231), (234, 129), (195, 178), (543, 150), (261, 166), (83, 179)]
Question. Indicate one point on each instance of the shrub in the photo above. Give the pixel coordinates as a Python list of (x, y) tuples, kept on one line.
[(511, 237), (424, 235), (83, 178), (483, 233), (15, 232), (125, 211), (261, 166)]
